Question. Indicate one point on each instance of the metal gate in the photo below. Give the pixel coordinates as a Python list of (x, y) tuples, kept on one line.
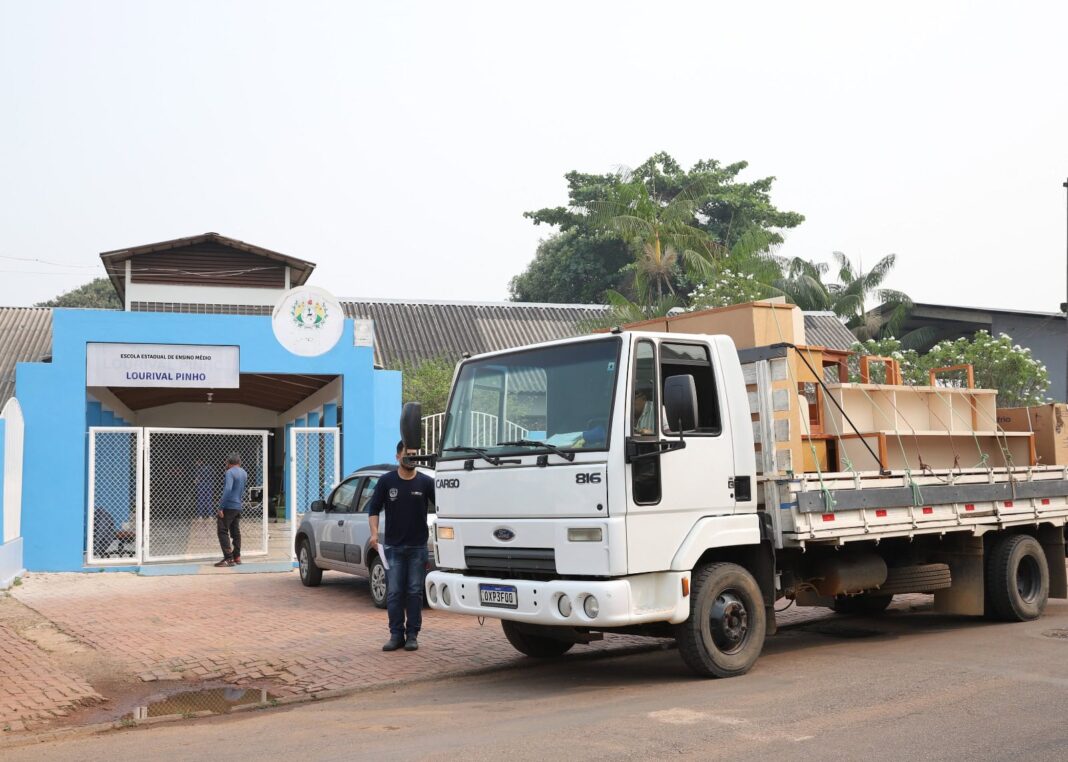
[(153, 493), (184, 474), (115, 476), (314, 469)]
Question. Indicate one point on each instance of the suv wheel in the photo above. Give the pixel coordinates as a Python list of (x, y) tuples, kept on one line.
[(377, 582), (310, 574)]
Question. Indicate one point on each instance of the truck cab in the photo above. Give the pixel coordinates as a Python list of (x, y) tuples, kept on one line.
[(569, 500)]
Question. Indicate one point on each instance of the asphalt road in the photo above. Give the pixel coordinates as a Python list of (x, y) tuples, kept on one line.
[(903, 686)]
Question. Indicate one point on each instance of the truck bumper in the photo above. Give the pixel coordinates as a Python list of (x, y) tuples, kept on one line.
[(638, 599)]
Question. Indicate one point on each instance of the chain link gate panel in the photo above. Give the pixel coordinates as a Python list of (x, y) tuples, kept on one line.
[(185, 473), (314, 470), (115, 473)]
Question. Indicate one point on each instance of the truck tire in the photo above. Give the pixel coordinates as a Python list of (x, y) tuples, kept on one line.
[(724, 633), (865, 604), (1017, 579), (376, 581), (534, 645), (310, 574)]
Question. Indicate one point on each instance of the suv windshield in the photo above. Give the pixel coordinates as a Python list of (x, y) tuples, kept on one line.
[(559, 395)]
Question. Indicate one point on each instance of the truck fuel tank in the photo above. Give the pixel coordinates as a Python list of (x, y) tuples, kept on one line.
[(846, 573)]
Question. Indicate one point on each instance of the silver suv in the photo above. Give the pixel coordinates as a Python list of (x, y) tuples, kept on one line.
[(334, 534)]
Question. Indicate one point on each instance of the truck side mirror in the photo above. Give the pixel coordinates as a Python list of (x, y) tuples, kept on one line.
[(318, 506), (411, 426), (680, 403)]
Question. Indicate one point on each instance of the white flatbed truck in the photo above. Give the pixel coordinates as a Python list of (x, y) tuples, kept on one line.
[(567, 508)]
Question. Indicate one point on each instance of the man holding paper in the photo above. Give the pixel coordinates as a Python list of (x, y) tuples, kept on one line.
[(405, 496)]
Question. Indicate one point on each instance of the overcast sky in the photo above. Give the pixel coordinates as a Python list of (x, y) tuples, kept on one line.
[(397, 144)]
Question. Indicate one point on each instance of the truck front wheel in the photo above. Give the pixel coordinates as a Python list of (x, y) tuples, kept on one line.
[(724, 634), (1017, 579), (536, 646)]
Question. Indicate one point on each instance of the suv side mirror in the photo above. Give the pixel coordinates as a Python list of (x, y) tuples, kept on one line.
[(680, 403), (318, 506), (411, 426)]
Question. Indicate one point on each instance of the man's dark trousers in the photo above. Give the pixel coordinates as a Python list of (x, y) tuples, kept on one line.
[(230, 527), (404, 586)]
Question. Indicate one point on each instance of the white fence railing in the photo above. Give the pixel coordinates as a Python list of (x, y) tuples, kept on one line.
[(432, 430), (483, 430)]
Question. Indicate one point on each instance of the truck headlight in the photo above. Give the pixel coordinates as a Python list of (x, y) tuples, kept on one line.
[(563, 605), (584, 534), (445, 533), (590, 607), (446, 595)]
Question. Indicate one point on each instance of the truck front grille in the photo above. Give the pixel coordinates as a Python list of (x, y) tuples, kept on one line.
[(511, 560)]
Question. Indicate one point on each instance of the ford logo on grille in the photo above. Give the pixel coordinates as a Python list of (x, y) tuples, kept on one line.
[(503, 534)]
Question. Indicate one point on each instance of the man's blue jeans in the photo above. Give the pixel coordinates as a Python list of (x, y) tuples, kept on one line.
[(404, 589)]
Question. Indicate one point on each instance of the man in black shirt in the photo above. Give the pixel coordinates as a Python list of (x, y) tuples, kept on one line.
[(404, 495)]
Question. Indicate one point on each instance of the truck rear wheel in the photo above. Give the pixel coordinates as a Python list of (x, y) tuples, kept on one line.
[(724, 633), (865, 604), (1017, 579), (536, 646)]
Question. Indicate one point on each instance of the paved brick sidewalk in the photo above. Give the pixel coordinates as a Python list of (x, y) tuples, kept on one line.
[(263, 630), (31, 688), (256, 630)]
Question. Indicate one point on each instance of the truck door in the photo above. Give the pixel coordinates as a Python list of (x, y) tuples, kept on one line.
[(670, 490)]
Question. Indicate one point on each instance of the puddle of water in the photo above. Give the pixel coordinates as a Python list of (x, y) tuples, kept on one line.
[(216, 700)]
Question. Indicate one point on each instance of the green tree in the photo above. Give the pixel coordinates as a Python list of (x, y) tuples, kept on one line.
[(663, 234), (427, 382), (573, 267), (998, 363), (96, 293), (731, 211)]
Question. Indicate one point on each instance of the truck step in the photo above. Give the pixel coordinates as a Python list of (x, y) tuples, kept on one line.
[(923, 578)]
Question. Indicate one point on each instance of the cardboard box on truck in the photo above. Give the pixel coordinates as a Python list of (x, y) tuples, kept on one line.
[(1050, 425)]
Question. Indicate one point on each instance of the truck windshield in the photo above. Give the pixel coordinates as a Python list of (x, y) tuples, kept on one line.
[(559, 395)]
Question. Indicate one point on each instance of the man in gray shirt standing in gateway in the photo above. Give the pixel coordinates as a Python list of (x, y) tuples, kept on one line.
[(230, 510)]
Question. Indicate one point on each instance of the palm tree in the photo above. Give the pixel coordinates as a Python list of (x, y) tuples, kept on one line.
[(622, 311), (850, 296), (663, 234), (802, 283)]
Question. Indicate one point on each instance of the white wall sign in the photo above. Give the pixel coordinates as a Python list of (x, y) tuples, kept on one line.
[(186, 365), (363, 333), (308, 321)]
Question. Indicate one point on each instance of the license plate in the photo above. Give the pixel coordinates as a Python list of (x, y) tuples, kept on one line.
[(501, 596)]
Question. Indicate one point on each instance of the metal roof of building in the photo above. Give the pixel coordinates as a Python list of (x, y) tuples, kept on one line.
[(25, 336), (405, 331), (413, 331), (825, 329)]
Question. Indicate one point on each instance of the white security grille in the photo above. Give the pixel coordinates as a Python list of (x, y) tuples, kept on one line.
[(315, 467), (185, 474), (114, 520)]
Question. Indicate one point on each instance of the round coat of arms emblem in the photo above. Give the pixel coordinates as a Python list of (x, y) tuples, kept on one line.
[(308, 321)]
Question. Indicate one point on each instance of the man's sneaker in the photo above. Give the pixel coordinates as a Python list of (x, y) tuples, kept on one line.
[(393, 644), (237, 560), (224, 562), (412, 644)]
